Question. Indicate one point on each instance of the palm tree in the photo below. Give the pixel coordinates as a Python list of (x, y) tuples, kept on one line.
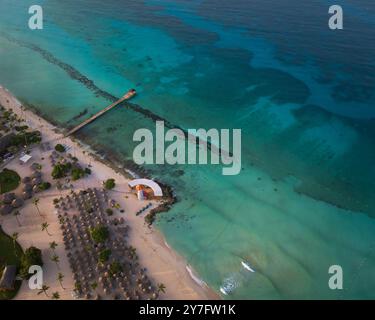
[(132, 251), (55, 258), (55, 295), (16, 214), (35, 203), (14, 238), (94, 285), (161, 287), (53, 245), (77, 286), (45, 226), (60, 278), (44, 290)]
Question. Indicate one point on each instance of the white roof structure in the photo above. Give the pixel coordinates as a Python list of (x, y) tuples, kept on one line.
[(25, 158), (148, 183)]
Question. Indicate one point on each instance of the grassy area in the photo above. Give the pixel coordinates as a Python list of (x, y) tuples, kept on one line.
[(9, 180), (9, 255)]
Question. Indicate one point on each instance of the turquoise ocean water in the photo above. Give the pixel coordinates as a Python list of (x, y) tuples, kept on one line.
[(302, 94)]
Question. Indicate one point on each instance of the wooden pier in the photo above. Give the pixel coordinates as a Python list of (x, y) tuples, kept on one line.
[(131, 93)]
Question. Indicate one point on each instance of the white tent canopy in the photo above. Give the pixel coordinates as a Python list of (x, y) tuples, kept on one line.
[(25, 158), (148, 183)]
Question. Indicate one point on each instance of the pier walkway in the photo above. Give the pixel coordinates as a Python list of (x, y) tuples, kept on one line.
[(131, 93)]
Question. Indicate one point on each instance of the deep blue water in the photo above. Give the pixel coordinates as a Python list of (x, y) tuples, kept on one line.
[(302, 94)]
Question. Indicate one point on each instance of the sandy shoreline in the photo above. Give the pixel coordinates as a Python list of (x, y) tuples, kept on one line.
[(164, 265)]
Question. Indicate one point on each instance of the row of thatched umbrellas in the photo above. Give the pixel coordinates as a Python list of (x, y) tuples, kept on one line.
[(11, 201), (83, 252)]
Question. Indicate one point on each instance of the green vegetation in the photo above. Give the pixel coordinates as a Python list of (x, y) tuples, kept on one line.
[(104, 255), (32, 256), (21, 128), (77, 173), (109, 184), (77, 286), (109, 212), (26, 138), (44, 186), (149, 219), (115, 268), (60, 148), (161, 287), (60, 170), (87, 171), (9, 180), (99, 234), (10, 254)]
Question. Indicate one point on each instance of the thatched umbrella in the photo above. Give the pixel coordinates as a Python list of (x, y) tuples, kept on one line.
[(26, 180), (36, 174), (36, 181), (27, 187), (8, 197), (34, 166), (17, 203), (6, 209)]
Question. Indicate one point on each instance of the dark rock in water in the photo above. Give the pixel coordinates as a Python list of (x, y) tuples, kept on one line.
[(178, 173), (111, 129), (81, 114)]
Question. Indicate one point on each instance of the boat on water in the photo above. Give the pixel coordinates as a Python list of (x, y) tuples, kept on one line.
[(247, 266)]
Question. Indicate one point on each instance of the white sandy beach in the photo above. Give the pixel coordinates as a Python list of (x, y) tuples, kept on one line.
[(163, 264)]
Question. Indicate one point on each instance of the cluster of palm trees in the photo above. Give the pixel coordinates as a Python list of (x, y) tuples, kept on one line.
[(54, 295), (53, 245), (17, 213), (60, 277)]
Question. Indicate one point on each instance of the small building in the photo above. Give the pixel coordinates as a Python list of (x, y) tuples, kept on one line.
[(25, 158), (140, 195), (139, 185), (8, 278)]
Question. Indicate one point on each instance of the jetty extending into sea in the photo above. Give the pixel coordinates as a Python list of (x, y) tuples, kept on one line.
[(130, 94)]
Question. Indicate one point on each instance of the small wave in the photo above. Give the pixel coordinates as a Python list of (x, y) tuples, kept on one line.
[(247, 266), (195, 278), (229, 285)]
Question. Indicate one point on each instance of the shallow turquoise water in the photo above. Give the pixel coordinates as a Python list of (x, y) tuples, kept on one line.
[(302, 95)]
